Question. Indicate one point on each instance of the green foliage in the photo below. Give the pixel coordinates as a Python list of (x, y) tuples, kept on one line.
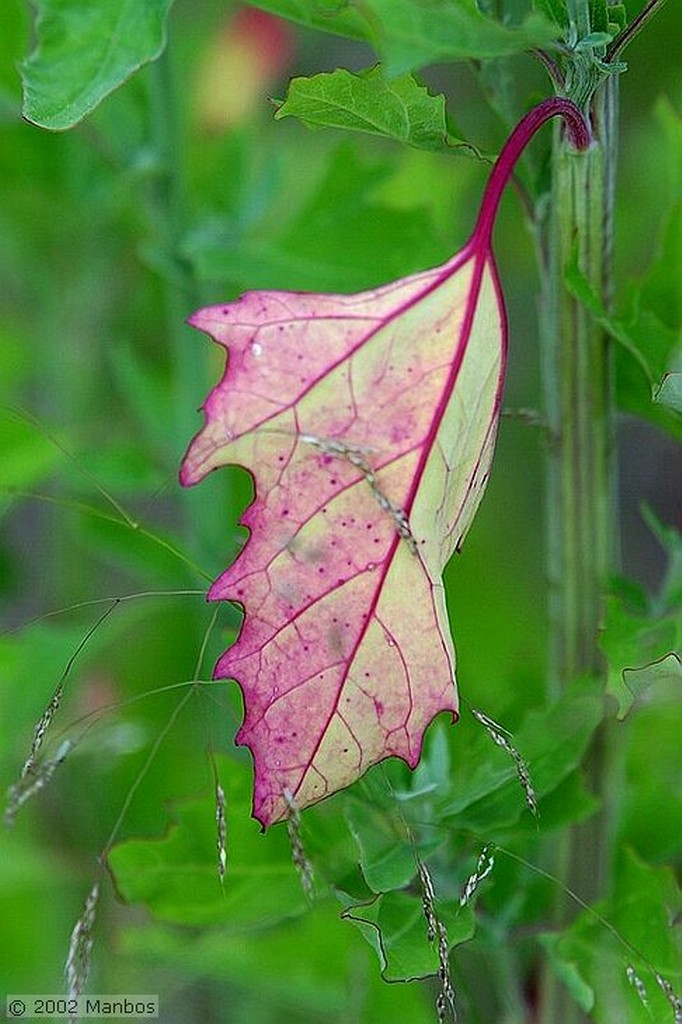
[(86, 49), (594, 961), (29, 456), (309, 246), (641, 640), (177, 878), (648, 326), (393, 924), (409, 34), (396, 108)]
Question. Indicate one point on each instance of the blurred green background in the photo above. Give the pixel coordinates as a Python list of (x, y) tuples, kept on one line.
[(100, 262)]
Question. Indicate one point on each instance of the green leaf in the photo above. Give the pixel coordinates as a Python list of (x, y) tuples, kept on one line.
[(488, 794), (387, 854), (669, 392), (340, 238), (336, 16), (410, 34), (651, 801), (413, 33), (647, 349), (640, 643), (589, 957), (398, 108), (665, 671), (176, 876), (305, 969), (632, 642), (395, 926), (86, 49)]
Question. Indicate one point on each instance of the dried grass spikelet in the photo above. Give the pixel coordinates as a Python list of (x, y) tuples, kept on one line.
[(500, 737), (671, 996), (35, 776), (221, 831), (77, 967), (637, 984), (484, 865), (298, 854), (445, 1001)]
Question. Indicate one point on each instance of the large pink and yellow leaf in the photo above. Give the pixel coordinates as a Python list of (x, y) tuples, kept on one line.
[(368, 423)]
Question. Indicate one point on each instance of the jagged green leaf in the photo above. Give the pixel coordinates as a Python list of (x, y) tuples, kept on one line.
[(176, 875), (632, 643), (395, 108), (395, 927), (669, 392), (661, 673)]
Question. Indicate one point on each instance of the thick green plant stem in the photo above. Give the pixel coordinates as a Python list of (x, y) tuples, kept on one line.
[(580, 475), (578, 385), (578, 399)]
